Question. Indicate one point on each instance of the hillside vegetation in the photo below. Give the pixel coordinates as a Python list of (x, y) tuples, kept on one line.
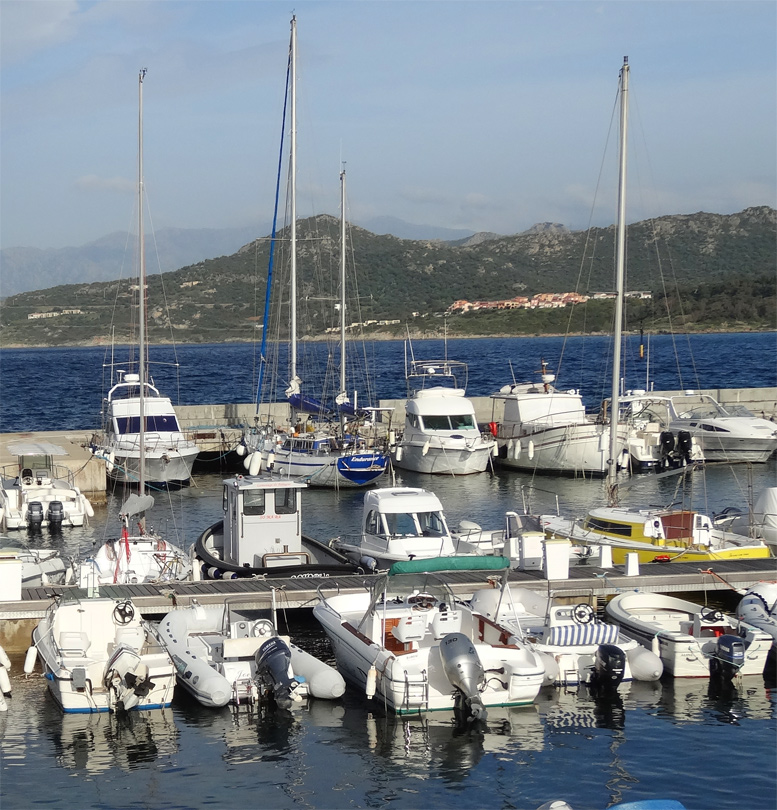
[(706, 271)]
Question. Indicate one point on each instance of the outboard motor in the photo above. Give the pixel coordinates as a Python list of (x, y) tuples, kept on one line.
[(728, 658), (666, 447), (684, 446), (56, 515), (35, 515), (273, 671), (463, 668), (609, 668)]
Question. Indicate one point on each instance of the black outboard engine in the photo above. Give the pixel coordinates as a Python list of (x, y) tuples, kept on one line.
[(56, 515), (609, 668), (728, 658), (666, 447), (684, 446), (273, 671), (34, 515)]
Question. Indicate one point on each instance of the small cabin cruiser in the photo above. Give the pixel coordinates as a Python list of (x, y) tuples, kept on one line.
[(441, 433), (260, 534), (35, 492), (545, 430), (232, 653), (409, 642), (693, 641), (663, 535), (169, 455), (573, 644), (98, 655)]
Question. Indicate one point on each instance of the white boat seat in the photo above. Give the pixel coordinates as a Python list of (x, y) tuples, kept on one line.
[(410, 628), (567, 634), (133, 637), (74, 644), (242, 647), (447, 622)]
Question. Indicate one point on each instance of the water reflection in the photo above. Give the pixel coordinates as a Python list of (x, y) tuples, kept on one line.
[(99, 742)]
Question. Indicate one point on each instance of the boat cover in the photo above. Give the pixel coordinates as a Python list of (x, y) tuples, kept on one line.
[(461, 563)]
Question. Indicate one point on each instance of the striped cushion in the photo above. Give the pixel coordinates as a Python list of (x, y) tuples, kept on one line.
[(597, 633)]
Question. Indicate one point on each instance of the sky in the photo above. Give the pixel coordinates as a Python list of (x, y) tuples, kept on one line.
[(490, 115)]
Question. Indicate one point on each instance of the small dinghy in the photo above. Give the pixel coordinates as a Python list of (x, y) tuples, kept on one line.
[(693, 641), (413, 645), (574, 646), (98, 655), (232, 653)]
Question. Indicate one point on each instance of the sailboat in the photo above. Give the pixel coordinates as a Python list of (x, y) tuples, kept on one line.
[(325, 456), (138, 556), (654, 534), (142, 441)]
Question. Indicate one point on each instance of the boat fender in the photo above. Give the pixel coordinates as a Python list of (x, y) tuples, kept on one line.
[(109, 462), (645, 665), (655, 646), (255, 465), (5, 661), (368, 563), (5, 681), (493, 428), (398, 453), (3, 703), (88, 508), (212, 573), (425, 448), (372, 681), (30, 659), (270, 461), (247, 461), (241, 450), (531, 449)]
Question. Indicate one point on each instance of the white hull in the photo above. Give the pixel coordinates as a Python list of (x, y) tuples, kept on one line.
[(87, 648), (677, 631), (163, 466), (438, 457), (138, 559), (16, 495)]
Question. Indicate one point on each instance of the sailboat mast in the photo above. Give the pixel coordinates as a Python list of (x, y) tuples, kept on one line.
[(620, 279), (342, 294), (293, 200), (142, 301)]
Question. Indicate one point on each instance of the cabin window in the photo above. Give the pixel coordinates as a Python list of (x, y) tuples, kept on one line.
[(285, 501), (431, 524), (400, 523), (163, 423), (224, 500), (372, 524), (436, 422), (412, 420), (598, 525), (253, 502), (445, 422), (464, 421)]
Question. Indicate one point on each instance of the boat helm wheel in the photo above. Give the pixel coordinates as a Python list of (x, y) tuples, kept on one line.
[(582, 613), (124, 612), (263, 629), (422, 601), (711, 615)]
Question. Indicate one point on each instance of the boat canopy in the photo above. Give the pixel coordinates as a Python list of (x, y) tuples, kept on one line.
[(439, 564)]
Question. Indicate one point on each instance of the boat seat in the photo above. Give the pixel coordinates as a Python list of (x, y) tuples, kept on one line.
[(447, 622), (242, 647), (74, 644), (411, 627), (563, 635), (134, 637)]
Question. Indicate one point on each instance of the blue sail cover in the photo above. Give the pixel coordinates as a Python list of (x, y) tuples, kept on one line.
[(310, 405), (348, 410)]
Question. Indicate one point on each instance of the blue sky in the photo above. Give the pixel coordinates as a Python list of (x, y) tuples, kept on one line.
[(487, 115)]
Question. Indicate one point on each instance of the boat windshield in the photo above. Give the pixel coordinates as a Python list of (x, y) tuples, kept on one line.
[(413, 524), (400, 587), (464, 421), (698, 407), (161, 423)]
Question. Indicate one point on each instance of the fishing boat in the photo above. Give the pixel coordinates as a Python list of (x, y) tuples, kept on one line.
[(575, 647), (141, 440), (98, 655), (544, 430), (656, 535), (233, 653), (260, 535), (440, 433), (35, 492), (335, 444), (413, 646), (692, 641)]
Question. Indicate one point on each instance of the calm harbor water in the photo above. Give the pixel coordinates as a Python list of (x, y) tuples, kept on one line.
[(669, 739)]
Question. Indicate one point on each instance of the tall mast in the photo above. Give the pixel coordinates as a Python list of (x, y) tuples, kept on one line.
[(142, 301), (293, 191), (620, 280), (343, 393)]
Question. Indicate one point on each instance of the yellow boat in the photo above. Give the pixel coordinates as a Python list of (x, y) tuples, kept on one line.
[(668, 535)]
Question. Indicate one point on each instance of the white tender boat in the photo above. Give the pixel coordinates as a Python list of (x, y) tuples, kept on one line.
[(36, 492), (410, 643), (98, 655), (721, 435), (260, 534), (545, 430), (135, 557), (231, 653), (573, 644), (441, 433), (693, 641), (40, 566)]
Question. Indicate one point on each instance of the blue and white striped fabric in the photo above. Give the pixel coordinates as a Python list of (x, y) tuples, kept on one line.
[(568, 634)]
